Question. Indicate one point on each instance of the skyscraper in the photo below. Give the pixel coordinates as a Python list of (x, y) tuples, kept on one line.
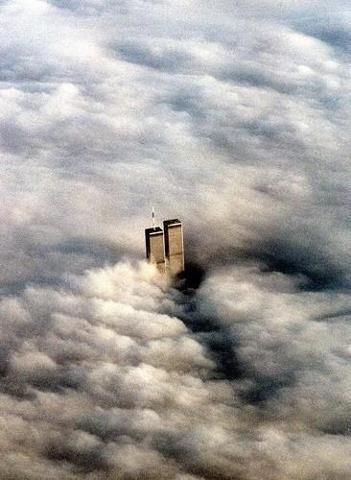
[(164, 248), (155, 247), (174, 248)]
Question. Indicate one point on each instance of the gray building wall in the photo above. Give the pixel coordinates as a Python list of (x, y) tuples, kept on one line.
[(174, 248), (155, 247)]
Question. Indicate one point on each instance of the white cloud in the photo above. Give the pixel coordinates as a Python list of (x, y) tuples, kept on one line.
[(235, 117)]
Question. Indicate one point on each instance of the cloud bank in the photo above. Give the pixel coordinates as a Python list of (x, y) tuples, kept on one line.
[(234, 117)]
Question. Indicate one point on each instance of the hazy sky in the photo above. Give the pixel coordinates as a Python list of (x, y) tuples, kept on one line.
[(235, 117)]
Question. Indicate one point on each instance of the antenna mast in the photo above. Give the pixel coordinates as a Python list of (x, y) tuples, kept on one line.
[(153, 218)]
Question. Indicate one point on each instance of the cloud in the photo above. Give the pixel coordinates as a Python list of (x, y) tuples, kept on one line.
[(81, 362), (233, 116), (106, 378)]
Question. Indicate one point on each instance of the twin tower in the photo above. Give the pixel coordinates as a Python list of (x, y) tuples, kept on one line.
[(165, 247)]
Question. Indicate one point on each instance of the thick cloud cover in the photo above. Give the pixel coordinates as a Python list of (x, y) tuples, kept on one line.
[(235, 117)]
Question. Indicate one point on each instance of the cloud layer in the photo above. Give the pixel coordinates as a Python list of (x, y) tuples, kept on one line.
[(234, 117)]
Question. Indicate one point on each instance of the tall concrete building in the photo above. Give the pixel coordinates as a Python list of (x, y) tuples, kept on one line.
[(174, 246), (165, 248), (155, 247)]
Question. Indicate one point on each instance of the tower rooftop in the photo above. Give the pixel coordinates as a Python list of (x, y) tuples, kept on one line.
[(169, 223), (153, 230)]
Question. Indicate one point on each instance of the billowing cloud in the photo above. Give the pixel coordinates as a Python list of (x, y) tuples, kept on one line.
[(233, 116), (104, 379)]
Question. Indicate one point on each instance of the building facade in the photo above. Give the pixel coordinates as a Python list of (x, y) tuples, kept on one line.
[(174, 246), (155, 247), (165, 247)]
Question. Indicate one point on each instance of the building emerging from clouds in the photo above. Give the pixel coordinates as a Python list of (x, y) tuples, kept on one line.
[(155, 251), (165, 247)]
